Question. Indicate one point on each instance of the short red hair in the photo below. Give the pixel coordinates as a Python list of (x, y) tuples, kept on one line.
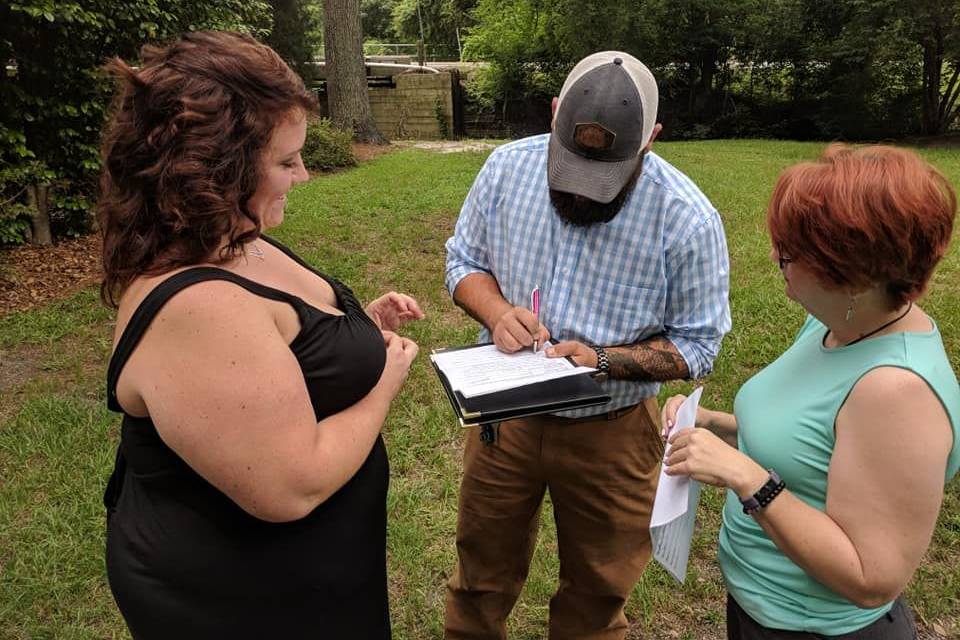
[(858, 218)]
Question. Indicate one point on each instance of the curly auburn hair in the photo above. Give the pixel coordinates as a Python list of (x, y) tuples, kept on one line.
[(858, 218), (182, 152)]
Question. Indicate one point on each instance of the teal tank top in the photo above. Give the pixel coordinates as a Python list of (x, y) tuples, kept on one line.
[(785, 417)]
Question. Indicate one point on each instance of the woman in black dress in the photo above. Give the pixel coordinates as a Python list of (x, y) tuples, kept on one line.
[(249, 495)]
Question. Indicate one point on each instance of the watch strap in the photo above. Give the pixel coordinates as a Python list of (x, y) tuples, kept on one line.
[(603, 361), (764, 495)]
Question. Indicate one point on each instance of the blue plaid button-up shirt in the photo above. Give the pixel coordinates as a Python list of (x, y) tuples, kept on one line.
[(659, 267)]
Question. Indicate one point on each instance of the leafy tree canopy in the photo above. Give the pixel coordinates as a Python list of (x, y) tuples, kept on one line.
[(784, 68)]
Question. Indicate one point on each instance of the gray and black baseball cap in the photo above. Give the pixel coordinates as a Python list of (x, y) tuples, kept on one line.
[(605, 116)]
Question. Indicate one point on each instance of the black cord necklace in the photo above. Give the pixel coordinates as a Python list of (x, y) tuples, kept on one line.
[(881, 327)]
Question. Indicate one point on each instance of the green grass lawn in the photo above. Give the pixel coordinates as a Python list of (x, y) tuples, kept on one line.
[(378, 227)]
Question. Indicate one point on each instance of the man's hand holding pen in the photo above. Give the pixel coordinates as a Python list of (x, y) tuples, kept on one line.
[(517, 329), (520, 328)]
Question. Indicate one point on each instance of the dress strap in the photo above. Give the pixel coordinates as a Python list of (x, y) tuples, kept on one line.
[(159, 296), (111, 494)]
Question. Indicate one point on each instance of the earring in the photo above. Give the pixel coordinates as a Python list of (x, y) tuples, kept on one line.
[(850, 304)]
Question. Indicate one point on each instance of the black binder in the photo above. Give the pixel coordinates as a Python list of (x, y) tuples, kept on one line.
[(559, 394)]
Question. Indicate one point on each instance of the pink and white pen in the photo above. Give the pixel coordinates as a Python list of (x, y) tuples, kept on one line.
[(535, 306)]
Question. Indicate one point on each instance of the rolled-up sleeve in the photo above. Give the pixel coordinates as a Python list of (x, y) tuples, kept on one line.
[(697, 312), (467, 248)]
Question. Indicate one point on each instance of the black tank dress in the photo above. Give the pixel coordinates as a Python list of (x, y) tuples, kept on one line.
[(184, 561)]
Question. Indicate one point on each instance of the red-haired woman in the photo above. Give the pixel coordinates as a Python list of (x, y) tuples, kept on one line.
[(837, 453), (249, 496)]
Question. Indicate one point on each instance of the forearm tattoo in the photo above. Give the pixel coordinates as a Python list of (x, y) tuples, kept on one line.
[(653, 360)]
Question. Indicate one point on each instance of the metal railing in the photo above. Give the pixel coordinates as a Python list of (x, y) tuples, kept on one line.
[(432, 52)]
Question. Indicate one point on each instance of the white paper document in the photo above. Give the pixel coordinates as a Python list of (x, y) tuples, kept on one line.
[(486, 369), (675, 505)]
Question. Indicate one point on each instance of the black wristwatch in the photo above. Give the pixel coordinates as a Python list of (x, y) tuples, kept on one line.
[(764, 495), (603, 363)]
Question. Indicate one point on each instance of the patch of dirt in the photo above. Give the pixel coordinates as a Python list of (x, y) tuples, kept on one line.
[(365, 152), (19, 366), (448, 146), (31, 276), (73, 362), (937, 630), (678, 628)]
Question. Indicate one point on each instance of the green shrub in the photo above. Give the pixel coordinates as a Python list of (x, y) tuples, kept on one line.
[(13, 229), (68, 207), (14, 164), (326, 147), (14, 214)]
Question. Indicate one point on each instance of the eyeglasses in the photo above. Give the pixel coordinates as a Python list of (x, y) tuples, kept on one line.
[(781, 259)]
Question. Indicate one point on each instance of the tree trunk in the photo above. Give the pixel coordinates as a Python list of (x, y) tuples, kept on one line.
[(38, 196), (707, 63), (347, 95), (932, 76)]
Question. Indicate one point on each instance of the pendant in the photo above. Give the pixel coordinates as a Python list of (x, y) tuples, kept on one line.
[(256, 251)]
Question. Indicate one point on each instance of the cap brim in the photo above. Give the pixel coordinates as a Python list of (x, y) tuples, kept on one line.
[(595, 179)]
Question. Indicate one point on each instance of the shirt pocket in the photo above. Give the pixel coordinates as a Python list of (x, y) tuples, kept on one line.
[(622, 313)]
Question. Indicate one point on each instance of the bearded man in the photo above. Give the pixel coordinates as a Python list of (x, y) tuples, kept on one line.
[(631, 263)]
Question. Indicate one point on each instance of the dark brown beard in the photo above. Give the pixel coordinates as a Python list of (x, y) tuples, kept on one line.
[(581, 211)]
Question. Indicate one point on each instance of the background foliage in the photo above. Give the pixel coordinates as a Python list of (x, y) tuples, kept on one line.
[(297, 33), (54, 98), (797, 69), (801, 69), (445, 23)]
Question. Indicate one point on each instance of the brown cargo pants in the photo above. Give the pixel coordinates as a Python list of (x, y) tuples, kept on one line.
[(602, 473)]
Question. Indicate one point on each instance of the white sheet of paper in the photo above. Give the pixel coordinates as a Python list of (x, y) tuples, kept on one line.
[(486, 369), (671, 541), (675, 505)]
